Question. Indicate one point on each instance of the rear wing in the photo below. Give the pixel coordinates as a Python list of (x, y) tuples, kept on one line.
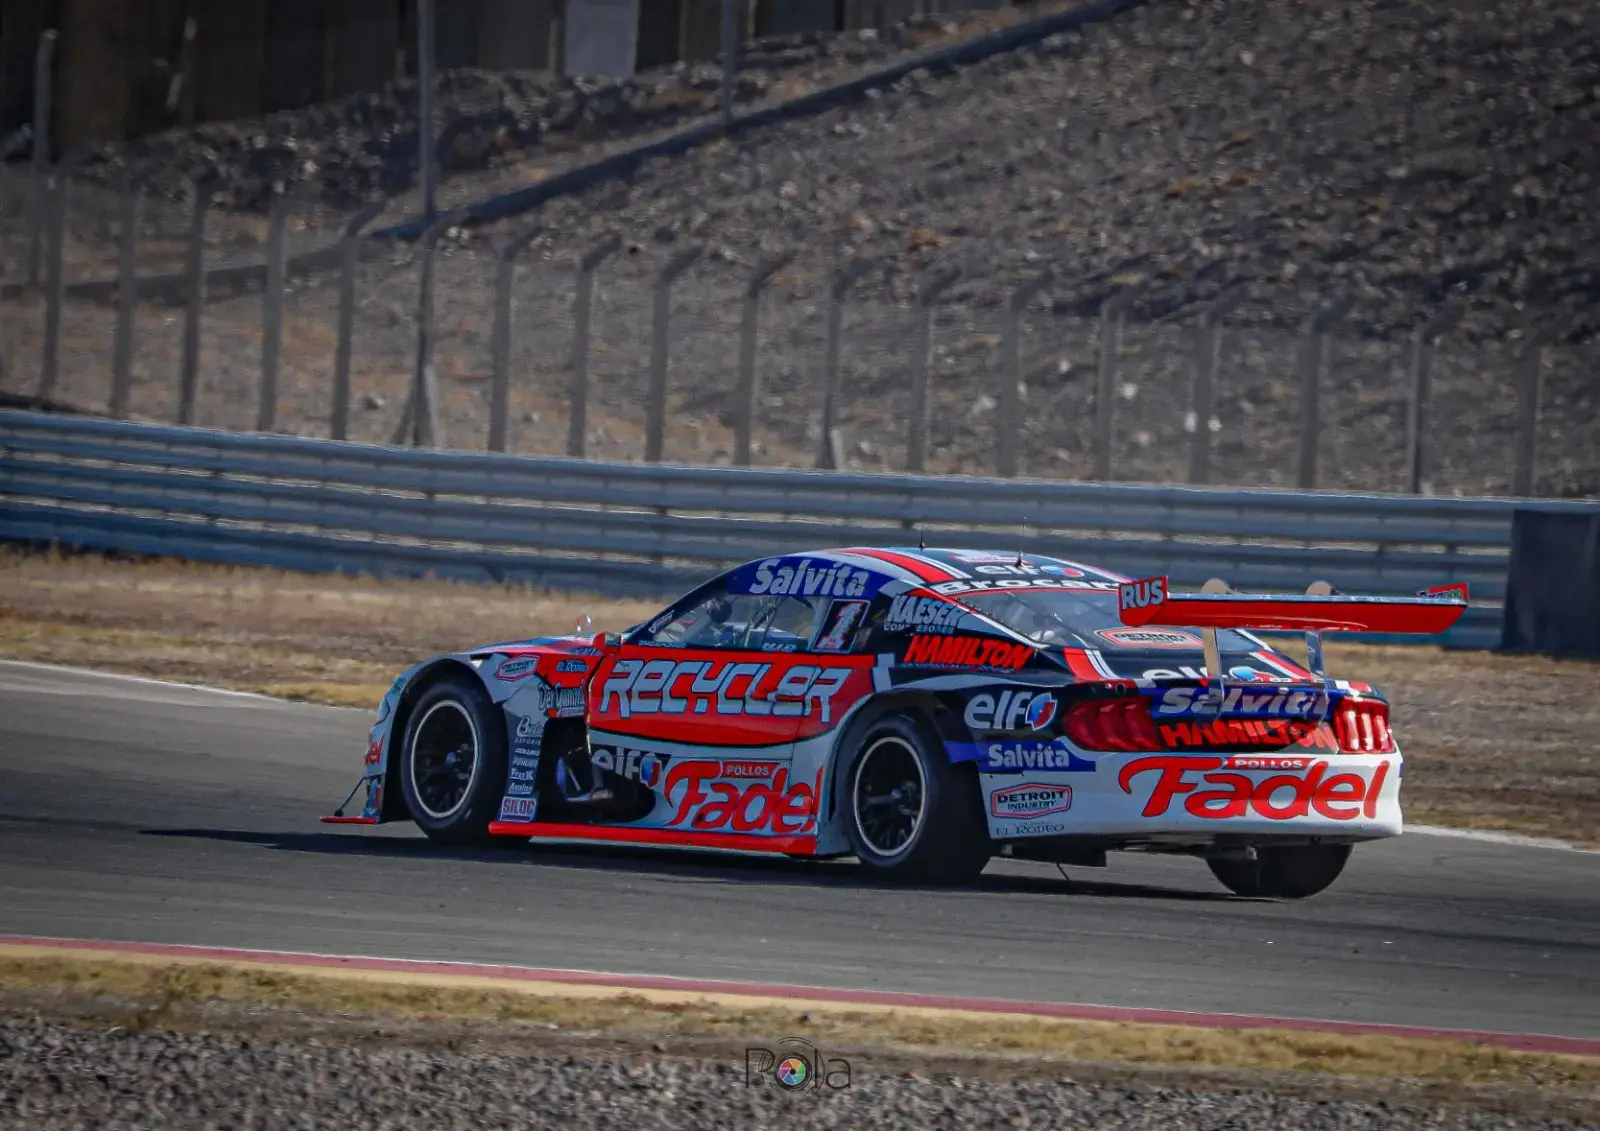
[(1321, 609)]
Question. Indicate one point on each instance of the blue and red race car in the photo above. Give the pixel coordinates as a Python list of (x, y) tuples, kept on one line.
[(922, 710)]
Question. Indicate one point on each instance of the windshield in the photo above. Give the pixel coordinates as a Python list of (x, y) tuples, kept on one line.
[(1073, 618)]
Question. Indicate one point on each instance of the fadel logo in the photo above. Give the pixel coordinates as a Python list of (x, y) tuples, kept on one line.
[(967, 652), (767, 804), (1025, 802), (1011, 710), (1150, 638), (1142, 594), (1305, 788)]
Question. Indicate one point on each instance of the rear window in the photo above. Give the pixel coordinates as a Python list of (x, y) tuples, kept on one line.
[(1068, 618)]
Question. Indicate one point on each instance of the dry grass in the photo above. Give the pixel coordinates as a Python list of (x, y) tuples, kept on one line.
[(1498, 742), (162, 983)]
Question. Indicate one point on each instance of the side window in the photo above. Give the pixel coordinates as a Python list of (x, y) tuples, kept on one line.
[(845, 625), (735, 621)]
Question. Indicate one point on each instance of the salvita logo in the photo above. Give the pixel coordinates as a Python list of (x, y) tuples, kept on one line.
[(1239, 701), (1011, 710), (806, 578), (1025, 802), (1012, 757), (925, 614)]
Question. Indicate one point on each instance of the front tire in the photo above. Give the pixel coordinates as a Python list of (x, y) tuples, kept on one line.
[(1287, 872), (909, 814), (453, 762)]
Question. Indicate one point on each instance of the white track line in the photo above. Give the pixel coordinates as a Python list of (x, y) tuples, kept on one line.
[(1487, 836), (122, 677)]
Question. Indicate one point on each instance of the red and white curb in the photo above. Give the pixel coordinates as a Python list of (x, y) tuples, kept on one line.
[(875, 999)]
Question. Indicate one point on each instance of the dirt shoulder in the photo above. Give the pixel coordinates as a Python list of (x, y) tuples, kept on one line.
[(1491, 741)]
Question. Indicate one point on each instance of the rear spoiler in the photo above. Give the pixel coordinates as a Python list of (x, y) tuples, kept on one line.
[(1322, 608)]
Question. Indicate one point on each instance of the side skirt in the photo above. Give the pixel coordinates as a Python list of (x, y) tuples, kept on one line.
[(665, 838)]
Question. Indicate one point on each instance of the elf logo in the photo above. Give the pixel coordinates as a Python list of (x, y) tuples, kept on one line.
[(1011, 710)]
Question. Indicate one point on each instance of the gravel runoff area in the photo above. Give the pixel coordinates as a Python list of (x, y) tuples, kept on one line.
[(1398, 154)]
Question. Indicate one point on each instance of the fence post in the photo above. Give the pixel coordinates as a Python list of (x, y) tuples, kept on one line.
[(427, 173), (189, 381), (1005, 432), (1421, 392), (419, 420), (933, 285), (500, 389), (1313, 367), (730, 58), (1208, 347), (43, 109), (1112, 312), (127, 293), (583, 318), (829, 455), (55, 272), (749, 336), (272, 310), (1522, 482), (349, 260), (660, 342)]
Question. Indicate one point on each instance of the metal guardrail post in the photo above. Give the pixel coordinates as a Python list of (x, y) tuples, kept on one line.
[(127, 292), (500, 389), (349, 260), (1006, 423), (189, 381), (660, 344), (1528, 398), (829, 444), (1313, 368), (55, 275), (1421, 392), (43, 112), (1112, 313), (272, 311), (1208, 349), (419, 420), (933, 285), (730, 58), (427, 174), (749, 337), (583, 320)]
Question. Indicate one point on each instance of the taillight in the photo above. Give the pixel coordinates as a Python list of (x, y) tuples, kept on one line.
[(1363, 727), (1113, 724)]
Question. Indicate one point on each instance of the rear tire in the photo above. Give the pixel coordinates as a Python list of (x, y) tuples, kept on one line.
[(909, 814), (1288, 872), (453, 762)]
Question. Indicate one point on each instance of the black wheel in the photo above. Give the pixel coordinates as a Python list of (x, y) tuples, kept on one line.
[(910, 814), (1289, 872), (453, 762)]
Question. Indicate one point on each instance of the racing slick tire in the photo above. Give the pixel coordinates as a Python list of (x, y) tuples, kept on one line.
[(1286, 872), (453, 762), (909, 813)]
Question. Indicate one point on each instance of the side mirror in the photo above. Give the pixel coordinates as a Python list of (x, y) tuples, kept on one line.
[(607, 641)]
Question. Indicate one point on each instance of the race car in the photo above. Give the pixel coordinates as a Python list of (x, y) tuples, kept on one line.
[(923, 710)]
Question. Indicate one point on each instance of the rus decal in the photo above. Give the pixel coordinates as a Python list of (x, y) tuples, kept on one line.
[(1304, 787), (967, 652)]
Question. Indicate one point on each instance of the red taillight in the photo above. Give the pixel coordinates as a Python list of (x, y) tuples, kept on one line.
[(1113, 724), (1363, 727)]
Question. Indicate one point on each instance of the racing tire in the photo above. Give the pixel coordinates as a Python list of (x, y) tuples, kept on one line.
[(911, 815), (453, 762), (1288, 872)]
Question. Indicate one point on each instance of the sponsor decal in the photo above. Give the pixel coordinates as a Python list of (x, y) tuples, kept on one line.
[(924, 614), (1241, 701), (572, 666), (518, 808), (724, 687), (1036, 828), (374, 806), (1150, 638), (758, 799), (843, 618), (1256, 675), (1010, 710), (1022, 756), (530, 726), (374, 752), (967, 652), (1142, 594), (806, 577), (643, 766), (986, 585), (1030, 800), (516, 668), (1223, 733), (1218, 788)]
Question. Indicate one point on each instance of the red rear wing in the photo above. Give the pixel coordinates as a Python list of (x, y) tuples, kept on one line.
[(1152, 602)]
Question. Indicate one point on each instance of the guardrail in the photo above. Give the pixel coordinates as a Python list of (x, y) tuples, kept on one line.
[(320, 505)]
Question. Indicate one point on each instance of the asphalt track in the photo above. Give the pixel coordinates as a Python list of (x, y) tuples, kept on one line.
[(136, 811)]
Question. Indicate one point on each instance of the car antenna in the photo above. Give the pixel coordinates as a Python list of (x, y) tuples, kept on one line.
[(922, 537), (1019, 549)]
